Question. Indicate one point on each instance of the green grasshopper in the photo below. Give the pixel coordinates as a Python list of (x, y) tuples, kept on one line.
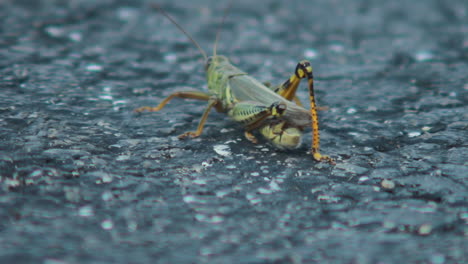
[(275, 112)]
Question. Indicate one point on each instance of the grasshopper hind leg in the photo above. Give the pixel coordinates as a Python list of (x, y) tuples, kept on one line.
[(288, 91), (253, 115)]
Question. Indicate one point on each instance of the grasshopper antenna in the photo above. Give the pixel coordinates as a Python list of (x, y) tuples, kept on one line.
[(159, 8), (218, 32)]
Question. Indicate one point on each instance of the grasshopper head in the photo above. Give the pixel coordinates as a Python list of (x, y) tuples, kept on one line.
[(214, 61), (281, 136)]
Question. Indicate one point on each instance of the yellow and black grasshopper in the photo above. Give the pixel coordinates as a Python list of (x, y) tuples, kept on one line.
[(275, 112)]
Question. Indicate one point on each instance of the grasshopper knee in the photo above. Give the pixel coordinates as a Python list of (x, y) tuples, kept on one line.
[(303, 69), (277, 109)]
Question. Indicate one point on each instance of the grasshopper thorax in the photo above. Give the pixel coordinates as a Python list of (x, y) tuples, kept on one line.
[(218, 71)]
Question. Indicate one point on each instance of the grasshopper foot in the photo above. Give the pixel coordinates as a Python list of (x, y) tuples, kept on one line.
[(323, 108), (192, 134), (320, 157), (146, 108), (250, 137)]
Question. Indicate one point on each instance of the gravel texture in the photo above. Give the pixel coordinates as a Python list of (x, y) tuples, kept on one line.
[(85, 180)]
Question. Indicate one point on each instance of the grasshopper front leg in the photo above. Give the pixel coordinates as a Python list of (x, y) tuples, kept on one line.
[(212, 102), (193, 134), (187, 94), (288, 91)]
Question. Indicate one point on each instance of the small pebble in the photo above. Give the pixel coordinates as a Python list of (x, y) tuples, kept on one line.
[(222, 150), (86, 211), (424, 55), (414, 134), (54, 31), (123, 157), (336, 47), (387, 184), (107, 196), (425, 229), (170, 57), (351, 111), (363, 179), (107, 224), (75, 36), (94, 68), (328, 198)]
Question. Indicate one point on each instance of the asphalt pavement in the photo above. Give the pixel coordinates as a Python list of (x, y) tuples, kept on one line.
[(84, 179)]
